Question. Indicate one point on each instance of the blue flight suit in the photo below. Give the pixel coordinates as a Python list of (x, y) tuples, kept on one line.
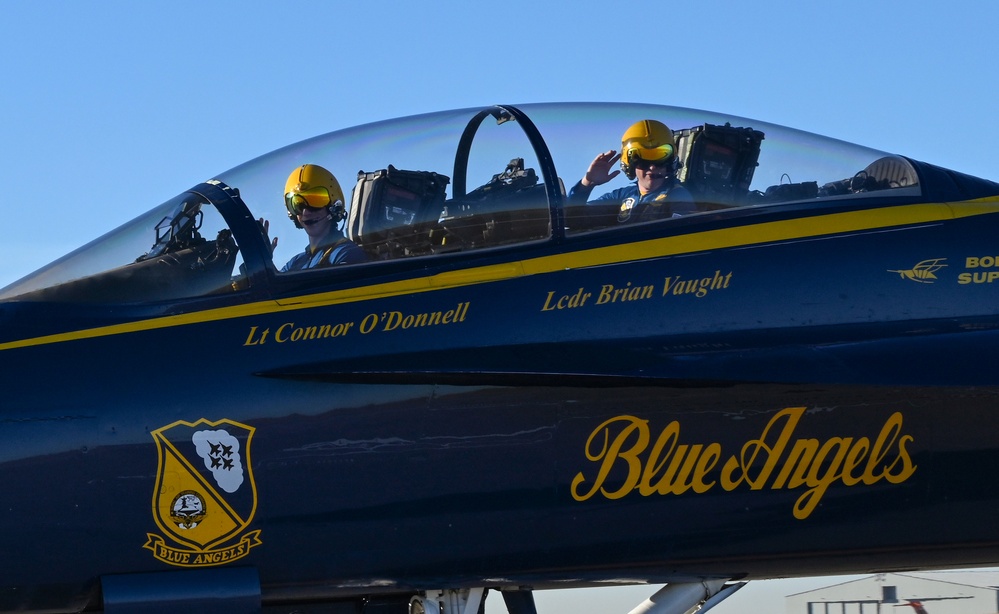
[(670, 200), (335, 249)]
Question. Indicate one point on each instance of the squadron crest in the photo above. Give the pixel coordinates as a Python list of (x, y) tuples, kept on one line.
[(625, 211), (205, 496)]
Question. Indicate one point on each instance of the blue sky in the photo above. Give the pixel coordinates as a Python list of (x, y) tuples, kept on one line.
[(110, 108)]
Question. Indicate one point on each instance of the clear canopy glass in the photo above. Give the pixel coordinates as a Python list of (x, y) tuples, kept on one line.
[(505, 173)]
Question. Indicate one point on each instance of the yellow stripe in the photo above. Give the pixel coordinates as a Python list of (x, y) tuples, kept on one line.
[(768, 232)]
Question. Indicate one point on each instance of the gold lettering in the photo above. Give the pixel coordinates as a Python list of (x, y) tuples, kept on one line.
[(548, 302), (698, 287), (605, 294), (262, 339), (653, 466), (610, 452), (854, 459), (882, 446), (902, 462), (567, 301), (705, 464), (820, 483), (798, 461), (279, 333), (624, 462), (610, 294), (753, 449)]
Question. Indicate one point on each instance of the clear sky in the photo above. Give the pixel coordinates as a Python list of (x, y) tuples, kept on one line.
[(109, 108)]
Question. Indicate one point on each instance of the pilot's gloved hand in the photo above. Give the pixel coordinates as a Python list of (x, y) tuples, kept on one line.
[(265, 227), (600, 169)]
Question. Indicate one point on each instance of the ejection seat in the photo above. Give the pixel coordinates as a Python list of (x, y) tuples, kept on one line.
[(393, 212)]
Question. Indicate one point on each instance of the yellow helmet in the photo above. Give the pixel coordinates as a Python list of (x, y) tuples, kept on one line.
[(313, 186), (647, 140)]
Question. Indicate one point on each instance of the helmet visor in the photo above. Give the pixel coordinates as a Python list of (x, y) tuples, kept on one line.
[(634, 153), (317, 198)]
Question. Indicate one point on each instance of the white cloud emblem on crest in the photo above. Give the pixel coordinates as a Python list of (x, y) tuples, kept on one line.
[(220, 452)]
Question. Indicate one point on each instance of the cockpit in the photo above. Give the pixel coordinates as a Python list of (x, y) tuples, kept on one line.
[(435, 190)]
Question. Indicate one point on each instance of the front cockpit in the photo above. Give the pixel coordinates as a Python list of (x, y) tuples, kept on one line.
[(437, 189)]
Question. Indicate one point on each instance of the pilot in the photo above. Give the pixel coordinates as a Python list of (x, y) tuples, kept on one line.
[(648, 153), (314, 201)]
